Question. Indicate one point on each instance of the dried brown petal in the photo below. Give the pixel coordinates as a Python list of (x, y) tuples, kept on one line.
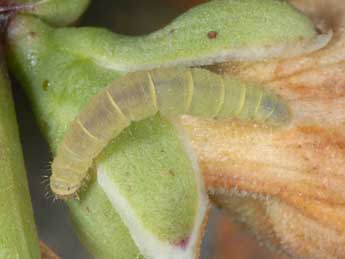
[(46, 252), (298, 169)]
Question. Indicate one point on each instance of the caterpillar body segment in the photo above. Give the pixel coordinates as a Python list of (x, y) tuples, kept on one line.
[(139, 95)]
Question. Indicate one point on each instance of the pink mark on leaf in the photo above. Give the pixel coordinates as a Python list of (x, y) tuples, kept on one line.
[(182, 243)]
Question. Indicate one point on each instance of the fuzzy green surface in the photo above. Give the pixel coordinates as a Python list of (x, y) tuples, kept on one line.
[(18, 236), (57, 12), (238, 24), (160, 186), (100, 228), (59, 84)]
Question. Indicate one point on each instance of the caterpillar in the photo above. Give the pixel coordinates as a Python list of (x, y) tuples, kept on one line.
[(139, 95)]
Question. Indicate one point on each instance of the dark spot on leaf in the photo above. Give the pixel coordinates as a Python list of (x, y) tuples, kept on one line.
[(172, 31), (32, 34), (171, 172), (212, 35), (45, 85)]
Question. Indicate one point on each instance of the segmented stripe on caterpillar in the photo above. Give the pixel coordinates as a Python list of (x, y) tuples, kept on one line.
[(140, 95)]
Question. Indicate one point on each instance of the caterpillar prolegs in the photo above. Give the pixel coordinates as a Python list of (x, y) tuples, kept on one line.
[(139, 95)]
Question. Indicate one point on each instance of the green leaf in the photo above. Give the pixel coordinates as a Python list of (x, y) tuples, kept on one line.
[(213, 32)]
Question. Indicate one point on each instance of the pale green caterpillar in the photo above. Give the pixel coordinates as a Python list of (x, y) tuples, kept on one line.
[(139, 95)]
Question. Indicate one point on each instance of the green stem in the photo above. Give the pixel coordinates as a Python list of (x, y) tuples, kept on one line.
[(18, 236)]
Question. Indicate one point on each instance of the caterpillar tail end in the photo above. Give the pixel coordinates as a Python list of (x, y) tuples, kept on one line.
[(281, 115), (273, 110)]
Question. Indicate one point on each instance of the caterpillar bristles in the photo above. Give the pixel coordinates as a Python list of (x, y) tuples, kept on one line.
[(45, 181), (49, 195)]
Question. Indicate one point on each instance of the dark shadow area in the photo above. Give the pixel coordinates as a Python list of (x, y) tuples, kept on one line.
[(129, 17)]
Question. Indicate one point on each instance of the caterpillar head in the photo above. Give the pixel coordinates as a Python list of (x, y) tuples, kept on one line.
[(64, 190)]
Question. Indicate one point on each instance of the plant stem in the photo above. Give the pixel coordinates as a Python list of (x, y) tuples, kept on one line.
[(18, 236)]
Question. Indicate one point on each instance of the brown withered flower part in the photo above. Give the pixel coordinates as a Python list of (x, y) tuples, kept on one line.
[(287, 184), (46, 252)]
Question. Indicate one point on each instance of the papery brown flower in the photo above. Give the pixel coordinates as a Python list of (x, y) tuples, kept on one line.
[(289, 180), (46, 252)]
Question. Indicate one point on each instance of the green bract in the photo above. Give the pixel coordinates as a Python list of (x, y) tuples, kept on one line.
[(100, 228), (213, 32)]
